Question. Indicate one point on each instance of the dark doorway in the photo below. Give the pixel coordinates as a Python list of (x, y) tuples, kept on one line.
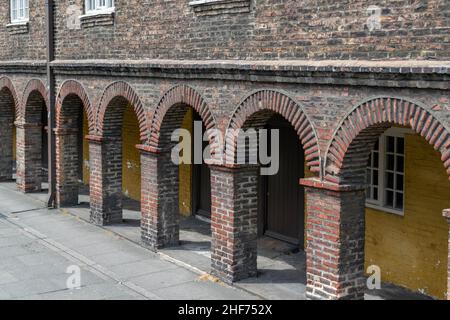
[(80, 141), (283, 197), (201, 179), (44, 144)]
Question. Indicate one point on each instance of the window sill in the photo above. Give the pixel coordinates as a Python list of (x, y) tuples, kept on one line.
[(217, 7), (384, 209), (97, 18), (17, 27)]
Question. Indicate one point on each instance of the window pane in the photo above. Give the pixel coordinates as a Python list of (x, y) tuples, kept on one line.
[(401, 145), (375, 177), (399, 182), (390, 162), (90, 5), (389, 198), (21, 9), (390, 144), (375, 160), (400, 164), (399, 201), (375, 193), (389, 180), (369, 163)]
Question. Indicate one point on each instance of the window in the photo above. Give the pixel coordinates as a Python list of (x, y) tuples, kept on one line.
[(93, 6), (19, 11), (386, 172)]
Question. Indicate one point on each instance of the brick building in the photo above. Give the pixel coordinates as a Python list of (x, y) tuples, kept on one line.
[(359, 91)]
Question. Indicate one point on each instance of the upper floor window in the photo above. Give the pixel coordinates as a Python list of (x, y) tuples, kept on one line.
[(19, 11), (93, 6), (386, 172)]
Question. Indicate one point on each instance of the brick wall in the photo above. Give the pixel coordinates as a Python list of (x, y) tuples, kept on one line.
[(23, 43), (272, 29)]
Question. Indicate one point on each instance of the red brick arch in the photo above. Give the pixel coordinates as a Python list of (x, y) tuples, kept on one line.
[(122, 91), (357, 133), (6, 82), (32, 86), (281, 103), (72, 87), (179, 95)]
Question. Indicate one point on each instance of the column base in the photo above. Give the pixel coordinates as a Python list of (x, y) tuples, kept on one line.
[(67, 198)]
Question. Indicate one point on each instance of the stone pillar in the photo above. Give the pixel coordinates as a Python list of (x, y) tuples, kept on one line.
[(6, 149), (335, 240), (160, 225), (234, 197), (67, 185), (105, 180), (447, 215), (29, 156)]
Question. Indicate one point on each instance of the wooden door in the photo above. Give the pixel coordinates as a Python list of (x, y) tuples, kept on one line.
[(284, 196), (201, 201)]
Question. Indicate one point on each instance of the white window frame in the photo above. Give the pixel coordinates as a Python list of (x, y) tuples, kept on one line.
[(380, 203), (100, 6), (16, 6)]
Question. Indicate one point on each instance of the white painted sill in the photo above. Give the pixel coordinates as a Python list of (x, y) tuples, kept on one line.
[(98, 13), (18, 27), (200, 2), (384, 209), (18, 23)]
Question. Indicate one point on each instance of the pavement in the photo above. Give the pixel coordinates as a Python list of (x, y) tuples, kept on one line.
[(37, 246)]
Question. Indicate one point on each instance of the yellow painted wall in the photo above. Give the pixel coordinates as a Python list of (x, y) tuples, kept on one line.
[(185, 173), (85, 150), (131, 161), (412, 250)]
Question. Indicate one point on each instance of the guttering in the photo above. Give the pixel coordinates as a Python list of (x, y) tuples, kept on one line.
[(51, 99)]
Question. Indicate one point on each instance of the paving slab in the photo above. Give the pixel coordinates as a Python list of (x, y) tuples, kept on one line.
[(37, 245), (40, 244)]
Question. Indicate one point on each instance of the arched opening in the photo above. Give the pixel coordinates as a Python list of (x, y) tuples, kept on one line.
[(72, 152), (261, 193), (7, 134), (32, 145), (387, 189), (116, 170), (406, 235), (278, 200), (184, 186)]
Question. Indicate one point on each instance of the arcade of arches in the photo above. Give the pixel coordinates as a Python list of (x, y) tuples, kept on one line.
[(374, 197)]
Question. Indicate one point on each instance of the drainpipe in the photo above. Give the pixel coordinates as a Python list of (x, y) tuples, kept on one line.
[(51, 108)]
